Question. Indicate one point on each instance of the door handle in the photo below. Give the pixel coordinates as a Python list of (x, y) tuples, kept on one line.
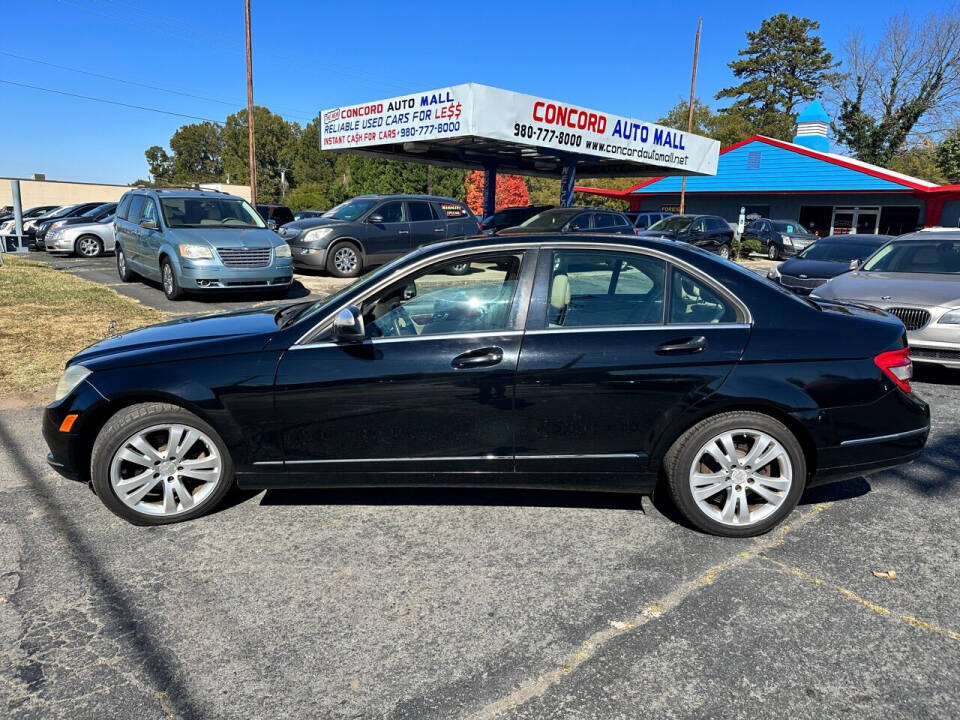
[(688, 345), (439, 230), (481, 357), (403, 232)]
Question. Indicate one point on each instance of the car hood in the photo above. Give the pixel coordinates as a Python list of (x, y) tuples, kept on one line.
[(893, 288), (292, 229), (813, 268), (191, 336), (226, 237)]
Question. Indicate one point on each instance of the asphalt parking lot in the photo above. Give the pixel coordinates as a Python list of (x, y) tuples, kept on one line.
[(480, 604)]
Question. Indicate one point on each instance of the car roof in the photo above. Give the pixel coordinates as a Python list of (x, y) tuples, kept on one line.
[(857, 238), (938, 234), (185, 192), (406, 196)]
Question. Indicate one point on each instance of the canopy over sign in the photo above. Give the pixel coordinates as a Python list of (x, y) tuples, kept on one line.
[(476, 126)]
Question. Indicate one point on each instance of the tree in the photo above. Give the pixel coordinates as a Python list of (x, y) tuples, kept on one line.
[(276, 145), (511, 190), (197, 153), (920, 161), (161, 165), (948, 156), (728, 126), (909, 82), (782, 66)]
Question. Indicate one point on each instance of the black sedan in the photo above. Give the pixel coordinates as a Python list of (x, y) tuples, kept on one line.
[(825, 259), (584, 363), (709, 232), (573, 220)]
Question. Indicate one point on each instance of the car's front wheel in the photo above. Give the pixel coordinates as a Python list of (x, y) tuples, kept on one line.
[(343, 260), (123, 269), (168, 278), (772, 251), (89, 246), (155, 464), (724, 252), (736, 474)]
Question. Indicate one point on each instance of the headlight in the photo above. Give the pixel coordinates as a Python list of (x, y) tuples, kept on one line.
[(196, 252), (773, 274), (317, 234), (72, 376), (57, 224), (281, 251), (787, 241), (951, 318), (6, 226)]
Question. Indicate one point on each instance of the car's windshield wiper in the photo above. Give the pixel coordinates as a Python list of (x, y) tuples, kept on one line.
[(288, 312)]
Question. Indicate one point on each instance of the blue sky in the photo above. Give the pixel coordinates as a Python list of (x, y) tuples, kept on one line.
[(630, 58)]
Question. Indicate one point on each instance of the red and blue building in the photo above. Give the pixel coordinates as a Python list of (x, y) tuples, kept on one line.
[(802, 180)]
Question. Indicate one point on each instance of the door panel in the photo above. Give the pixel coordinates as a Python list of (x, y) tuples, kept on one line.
[(618, 345), (424, 228), (390, 238)]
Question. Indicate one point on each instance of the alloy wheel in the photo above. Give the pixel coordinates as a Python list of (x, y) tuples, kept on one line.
[(121, 262), (166, 469), (724, 252), (167, 279), (345, 260), (88, 247), (740, 477)]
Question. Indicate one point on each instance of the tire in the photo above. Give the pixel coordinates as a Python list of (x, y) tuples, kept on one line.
[(734, 508), (344, 260), (458, 269), (773, 253), (123, 269), (169, 282), (724, 252), (146, 421), (88, 246)]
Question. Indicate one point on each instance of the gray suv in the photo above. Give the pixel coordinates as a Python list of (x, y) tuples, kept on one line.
[(372, 229), (198, 240)]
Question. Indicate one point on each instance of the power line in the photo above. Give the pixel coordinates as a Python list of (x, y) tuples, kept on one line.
[(110, 102), (137, 84)]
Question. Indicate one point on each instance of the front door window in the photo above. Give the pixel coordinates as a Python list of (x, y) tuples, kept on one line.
[(444, 299)]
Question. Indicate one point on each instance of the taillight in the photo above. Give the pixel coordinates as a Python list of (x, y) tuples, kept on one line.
[(898, 366), (636, 231)]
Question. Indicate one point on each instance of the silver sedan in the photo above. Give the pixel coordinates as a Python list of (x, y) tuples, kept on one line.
[(85, 239), (917, 278)]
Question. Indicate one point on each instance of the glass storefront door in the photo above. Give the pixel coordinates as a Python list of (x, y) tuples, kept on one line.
[(855, 220)]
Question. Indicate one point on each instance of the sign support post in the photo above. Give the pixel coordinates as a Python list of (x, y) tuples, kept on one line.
[(567, 180), (489, 190)]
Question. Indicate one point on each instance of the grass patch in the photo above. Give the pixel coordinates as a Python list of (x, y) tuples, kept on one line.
[(47, 316)]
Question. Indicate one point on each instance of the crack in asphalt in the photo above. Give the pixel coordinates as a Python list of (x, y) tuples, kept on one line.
[(595, 642)]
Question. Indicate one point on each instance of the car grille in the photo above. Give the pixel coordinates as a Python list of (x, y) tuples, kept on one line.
[(809, 283), (928, 354), (245, 257), (912, 318)]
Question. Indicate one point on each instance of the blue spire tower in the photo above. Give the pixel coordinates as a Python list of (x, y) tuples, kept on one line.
[(812, 125)]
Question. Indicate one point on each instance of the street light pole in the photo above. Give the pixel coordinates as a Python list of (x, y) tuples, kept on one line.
[(693, 90), (250, 141)]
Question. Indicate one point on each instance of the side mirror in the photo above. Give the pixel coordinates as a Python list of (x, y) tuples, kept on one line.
[(409, 292), (149, 224), (348, 324), (271, 224), (854, 264), (375, 218)]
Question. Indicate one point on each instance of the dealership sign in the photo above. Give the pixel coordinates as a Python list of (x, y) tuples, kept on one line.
[(473, 110)]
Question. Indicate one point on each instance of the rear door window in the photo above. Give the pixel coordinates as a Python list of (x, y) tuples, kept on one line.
[(694, 302), (603, 220), (419, 211)]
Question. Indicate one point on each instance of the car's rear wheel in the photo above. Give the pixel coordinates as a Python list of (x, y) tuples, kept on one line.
[(123, 269), (724, 252), (168, 278), (155, 464), (344, 260), (89, 246), (736, 474)]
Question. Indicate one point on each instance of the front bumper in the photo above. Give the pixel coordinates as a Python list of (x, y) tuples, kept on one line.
[(69, 454), (57, 244), (935, 342), (305, 256), (195, 276)]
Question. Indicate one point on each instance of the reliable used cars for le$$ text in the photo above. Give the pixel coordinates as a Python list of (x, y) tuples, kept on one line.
[(582, 363)]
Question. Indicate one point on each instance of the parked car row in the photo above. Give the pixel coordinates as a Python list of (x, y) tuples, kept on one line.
[(39, 221)]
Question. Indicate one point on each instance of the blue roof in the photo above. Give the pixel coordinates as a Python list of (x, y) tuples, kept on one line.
[(764, 165), (813, 112)]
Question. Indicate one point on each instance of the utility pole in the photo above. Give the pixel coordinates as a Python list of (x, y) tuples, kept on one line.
[(693, 90), (283, 181), (253, 154)]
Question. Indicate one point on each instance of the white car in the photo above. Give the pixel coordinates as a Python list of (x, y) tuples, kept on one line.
[(85, 239)]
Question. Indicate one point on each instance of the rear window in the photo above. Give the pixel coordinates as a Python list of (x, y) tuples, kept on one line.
[(453, 210)]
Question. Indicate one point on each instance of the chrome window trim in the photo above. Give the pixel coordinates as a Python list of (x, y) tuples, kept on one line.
[(882, 438), (408, 338), (556, 244), (632, 328)]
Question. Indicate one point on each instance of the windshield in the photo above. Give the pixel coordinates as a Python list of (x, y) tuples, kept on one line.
[(59, 212), (676, 223), (837, 251), (93, 211), (789, 227), (351, 209), (110, 218), (209, 212), (549, 219), (932, 256)]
